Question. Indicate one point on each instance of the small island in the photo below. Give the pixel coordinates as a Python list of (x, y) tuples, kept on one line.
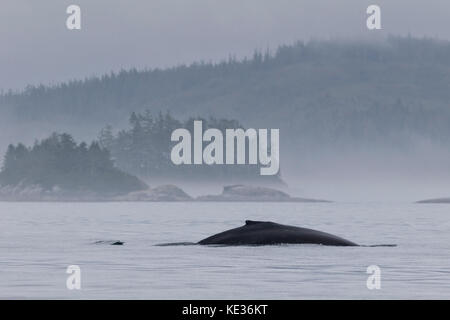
[(59, 169)]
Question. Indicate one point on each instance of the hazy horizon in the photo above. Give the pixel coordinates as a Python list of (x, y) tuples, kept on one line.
[(160, 34)]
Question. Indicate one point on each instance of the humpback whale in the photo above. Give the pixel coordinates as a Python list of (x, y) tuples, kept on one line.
[(259, 233), (271, 233)]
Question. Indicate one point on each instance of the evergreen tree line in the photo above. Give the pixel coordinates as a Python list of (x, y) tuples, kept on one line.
[(144, 149), (59, 162)]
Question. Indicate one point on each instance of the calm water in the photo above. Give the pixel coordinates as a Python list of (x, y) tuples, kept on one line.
[(39, 240)]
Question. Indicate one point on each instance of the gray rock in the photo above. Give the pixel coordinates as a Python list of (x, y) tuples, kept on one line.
[(160, 193), (110, 242), (253, 193)]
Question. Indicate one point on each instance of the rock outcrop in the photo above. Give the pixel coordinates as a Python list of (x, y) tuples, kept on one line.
[(253, 193), (160, 193), (24, 192)]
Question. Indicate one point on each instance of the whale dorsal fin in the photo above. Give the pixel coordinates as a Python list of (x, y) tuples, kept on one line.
[(251, 222)]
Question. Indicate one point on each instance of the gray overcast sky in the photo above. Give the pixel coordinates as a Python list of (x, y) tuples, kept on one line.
[(36, 47)]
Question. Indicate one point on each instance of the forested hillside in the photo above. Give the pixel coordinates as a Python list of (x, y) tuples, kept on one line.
[(317, 92)]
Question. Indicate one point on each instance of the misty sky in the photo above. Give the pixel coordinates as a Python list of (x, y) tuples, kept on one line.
[(36, 47)]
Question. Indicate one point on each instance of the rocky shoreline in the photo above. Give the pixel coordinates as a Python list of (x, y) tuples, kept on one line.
[(163, 193)]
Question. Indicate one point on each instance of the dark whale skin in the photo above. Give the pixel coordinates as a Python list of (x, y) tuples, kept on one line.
[(271, 233)]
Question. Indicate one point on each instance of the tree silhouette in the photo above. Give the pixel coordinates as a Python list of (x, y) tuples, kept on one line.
[(59, 161)]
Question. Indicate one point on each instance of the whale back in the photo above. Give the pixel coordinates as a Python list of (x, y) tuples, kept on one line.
[(271, 233)]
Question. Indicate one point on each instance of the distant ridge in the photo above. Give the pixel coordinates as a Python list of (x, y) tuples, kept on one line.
[(326, 92)]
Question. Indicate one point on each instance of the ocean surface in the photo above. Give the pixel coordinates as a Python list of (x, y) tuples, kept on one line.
[(38, 241)]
